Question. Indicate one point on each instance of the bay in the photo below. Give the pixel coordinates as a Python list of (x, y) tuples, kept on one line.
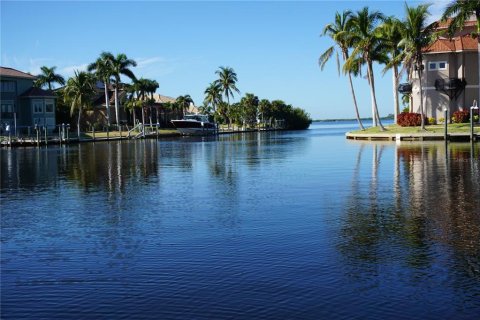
[(293, 225)]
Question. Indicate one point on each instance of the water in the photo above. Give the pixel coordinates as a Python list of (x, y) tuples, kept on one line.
[(293, 225)]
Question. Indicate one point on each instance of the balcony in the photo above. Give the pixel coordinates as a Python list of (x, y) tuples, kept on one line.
[(405, 88)]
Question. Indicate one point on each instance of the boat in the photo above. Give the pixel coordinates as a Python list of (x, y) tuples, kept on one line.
[(194, 124)]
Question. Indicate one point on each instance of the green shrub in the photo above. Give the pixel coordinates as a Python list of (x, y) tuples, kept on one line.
[(461, 116), (431, 121), (441, 120)]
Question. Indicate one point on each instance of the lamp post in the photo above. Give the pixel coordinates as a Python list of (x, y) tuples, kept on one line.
[(445, 110), (473, 107)]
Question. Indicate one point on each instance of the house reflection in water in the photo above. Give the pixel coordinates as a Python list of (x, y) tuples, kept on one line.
[(432, 200)]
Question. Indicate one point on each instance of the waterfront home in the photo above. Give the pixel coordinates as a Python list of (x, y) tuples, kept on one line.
[(24, 106), (451, 71), (97, 115)]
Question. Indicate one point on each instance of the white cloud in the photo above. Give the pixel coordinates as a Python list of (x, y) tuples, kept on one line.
[(69, 71), (144, 62), (153, 67)]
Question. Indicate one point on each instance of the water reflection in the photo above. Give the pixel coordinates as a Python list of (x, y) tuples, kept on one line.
[(432, 200), (93, 166)]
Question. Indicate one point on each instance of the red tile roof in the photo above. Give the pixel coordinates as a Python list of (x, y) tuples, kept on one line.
[(10, 72), (37, 92), (460, 43), (444, 24)]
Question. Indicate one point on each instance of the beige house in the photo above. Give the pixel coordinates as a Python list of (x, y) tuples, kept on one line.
[(450, 77)]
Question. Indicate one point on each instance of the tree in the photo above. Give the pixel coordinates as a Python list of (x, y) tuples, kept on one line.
[(265, 110), (47, 77), (103, 70), (132, 101), (367, 46), (184, 102), (339, 32), (227, 79), (213, 95), (416, 35), (390, 32), (249, 105), (460, 12), (79, 91), (120, 66)]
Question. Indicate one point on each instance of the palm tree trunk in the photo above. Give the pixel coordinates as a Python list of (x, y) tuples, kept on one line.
[(228, 107), (78, 122), (395, 93), (376, 116), (117, 116), (107, 102), (150, 115), (422, 125), (360, 124)]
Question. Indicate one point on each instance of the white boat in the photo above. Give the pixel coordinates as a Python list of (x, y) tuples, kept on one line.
[(194, 124)]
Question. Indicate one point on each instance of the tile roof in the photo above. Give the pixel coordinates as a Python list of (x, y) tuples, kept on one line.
[(37, 92), (163, 99), (444, 24), (460, 43), (10, 72)]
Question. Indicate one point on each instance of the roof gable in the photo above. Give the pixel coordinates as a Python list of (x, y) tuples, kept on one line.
[(10, 72), (456, 44)]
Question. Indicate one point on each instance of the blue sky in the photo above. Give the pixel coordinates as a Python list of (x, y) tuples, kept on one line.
[(273, 46)]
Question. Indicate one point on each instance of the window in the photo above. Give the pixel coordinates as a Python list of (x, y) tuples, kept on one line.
[(37, 106), (438, 65), (7, 86), (7, 108), (49, 106)]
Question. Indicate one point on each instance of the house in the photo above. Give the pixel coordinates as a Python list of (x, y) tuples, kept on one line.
[(97, 115), (451, 71), (24, 106)]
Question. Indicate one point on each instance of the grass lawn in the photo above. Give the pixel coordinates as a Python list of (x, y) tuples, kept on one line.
[(437, 128)]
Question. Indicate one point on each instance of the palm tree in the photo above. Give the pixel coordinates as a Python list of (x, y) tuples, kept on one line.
[(417, 35), (184, 102), (460, 12), (227, 79), (48, 76), (120, 66), (103, 70), (339, 33), (213, 95), (391, 33), (132, 101), (368, 47), (79, 91), (152, 86)]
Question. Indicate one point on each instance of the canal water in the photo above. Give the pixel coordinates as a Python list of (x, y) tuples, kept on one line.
[(277, 225)]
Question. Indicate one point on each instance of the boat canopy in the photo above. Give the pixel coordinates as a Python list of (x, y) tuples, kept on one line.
[(197, 117)]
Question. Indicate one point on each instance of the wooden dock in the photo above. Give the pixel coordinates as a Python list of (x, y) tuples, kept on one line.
[(412, 136)]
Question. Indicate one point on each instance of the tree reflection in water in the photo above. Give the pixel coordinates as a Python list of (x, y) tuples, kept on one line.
[(427, 213)]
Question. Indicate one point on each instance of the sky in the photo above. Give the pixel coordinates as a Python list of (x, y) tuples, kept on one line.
[(273, 46)]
